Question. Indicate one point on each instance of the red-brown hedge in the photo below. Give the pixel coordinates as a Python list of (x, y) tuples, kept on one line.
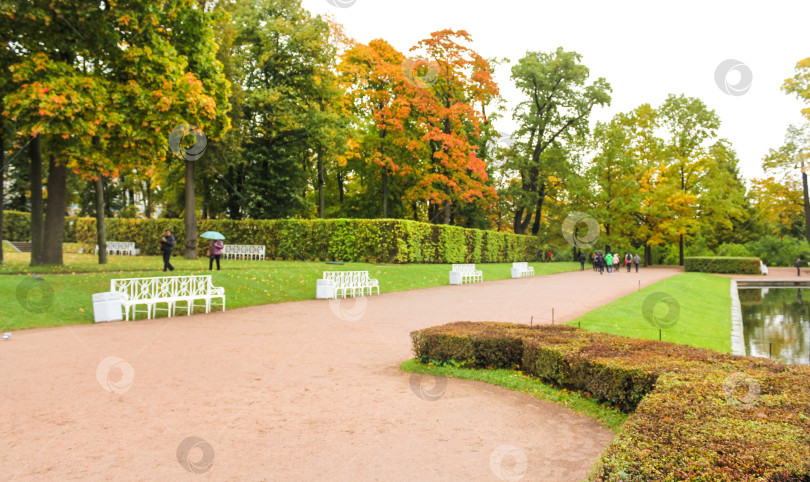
[(690, 418)]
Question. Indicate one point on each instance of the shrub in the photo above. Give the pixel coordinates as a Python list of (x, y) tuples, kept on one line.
[(779, 252), (692, 415), (733, 250), (372, 240), (17, 227), (719, 264)]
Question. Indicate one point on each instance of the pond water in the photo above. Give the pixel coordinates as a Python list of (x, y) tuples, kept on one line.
[(777, 321)]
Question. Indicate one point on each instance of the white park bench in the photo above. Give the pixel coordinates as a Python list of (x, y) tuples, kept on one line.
[(243, 251), (122, 248), (520, 270), (462, 273), (335, 283), (169, 290)]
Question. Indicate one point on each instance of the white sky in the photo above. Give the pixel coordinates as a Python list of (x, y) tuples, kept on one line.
[(645, 49)]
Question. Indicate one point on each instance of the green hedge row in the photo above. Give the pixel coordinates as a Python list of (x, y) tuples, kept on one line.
[(17, 227), (373, 240), (696, 414), (722, 264)]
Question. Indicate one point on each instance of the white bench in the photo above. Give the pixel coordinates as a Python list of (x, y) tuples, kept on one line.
[(122, 248), (334, 283), (169, 290), (243, 251), (520, 270), (462, 273)]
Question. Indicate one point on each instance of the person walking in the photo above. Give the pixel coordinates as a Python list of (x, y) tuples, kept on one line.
[(215, 253), (549, 255), (798, 266), (609, 262), (615, 262), (166, 247), (600, 263), (581, 261), (636, 261), (628, 260)]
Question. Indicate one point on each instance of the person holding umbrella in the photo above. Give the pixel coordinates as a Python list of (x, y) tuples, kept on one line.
[(215, 249)]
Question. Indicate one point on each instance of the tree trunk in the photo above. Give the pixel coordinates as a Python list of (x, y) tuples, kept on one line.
[(2, 181), (680, 250), (148, 199), (518, 224), (101, 224), (448, 208), (55, 212), (340, 187), (385, 193), (647, 256), (607, 235), (806, 207), (537, 215), (36, 200), (320, 186), (191, 213)]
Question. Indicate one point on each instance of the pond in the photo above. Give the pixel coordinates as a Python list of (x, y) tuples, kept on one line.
[(776, 322)]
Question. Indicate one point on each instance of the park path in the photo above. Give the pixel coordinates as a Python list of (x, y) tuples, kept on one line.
[(295, 391)]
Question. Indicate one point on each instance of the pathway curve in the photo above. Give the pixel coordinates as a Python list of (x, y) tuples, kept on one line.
[(294, 391)]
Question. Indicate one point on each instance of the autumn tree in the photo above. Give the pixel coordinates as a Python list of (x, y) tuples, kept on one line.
[(461, 87)]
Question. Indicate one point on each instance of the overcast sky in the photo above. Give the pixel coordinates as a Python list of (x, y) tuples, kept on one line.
[(646, 50)]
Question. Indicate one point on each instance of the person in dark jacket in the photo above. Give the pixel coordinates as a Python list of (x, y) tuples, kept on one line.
[(581, 261), (166, 247), (798, 266), (215, 253)]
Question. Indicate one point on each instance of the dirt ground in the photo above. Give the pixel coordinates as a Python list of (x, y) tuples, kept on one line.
[(294, 391)]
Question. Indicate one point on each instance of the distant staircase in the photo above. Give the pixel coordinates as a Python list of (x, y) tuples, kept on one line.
[(21, 246)]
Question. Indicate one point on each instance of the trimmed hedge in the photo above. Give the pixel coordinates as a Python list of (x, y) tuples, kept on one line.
[(722, 264), (17, 227), (691, 415), (372, 240)]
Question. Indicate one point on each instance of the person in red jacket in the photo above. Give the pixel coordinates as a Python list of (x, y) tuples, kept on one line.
[(549, 255)]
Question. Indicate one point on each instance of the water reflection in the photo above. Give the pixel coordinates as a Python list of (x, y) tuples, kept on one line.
[(776, 319)]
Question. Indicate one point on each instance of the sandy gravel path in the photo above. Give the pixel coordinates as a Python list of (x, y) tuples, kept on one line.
[(294, 391)]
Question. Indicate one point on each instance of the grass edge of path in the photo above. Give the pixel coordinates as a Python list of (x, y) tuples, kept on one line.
[(527, 385)]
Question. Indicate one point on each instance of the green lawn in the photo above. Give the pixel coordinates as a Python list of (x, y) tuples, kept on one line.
[(517, 381), (246, 283), (704, 319)]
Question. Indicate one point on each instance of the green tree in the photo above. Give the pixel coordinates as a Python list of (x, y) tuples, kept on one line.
[(557, 104)]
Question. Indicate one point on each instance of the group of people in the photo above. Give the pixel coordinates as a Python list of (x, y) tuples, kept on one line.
[(167, 246), (611, 262)]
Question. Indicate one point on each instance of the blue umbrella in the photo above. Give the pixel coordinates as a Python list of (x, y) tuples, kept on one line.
[(212, 235)]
